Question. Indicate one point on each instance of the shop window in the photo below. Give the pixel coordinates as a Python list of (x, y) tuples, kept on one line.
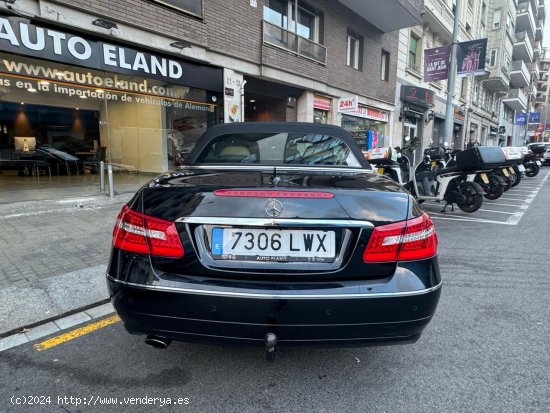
[(414, 58), (354, 46), (194, 7), (385, 65)]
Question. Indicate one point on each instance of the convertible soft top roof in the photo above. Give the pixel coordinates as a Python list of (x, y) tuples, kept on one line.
[(276, 127)]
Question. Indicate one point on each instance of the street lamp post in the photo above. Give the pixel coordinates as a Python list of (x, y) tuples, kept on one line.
[(452, 75)]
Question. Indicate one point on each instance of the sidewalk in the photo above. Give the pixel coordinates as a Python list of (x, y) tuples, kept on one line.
[(55, 247)]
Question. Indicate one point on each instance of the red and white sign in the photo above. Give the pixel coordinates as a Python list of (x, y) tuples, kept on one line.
[(369, 113), (347, 104), (321, 102)]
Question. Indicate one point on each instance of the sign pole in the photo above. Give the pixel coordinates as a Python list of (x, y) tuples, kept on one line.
[(452, 75)]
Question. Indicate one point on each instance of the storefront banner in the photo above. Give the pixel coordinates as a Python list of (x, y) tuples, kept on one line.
[(321, 102), (18, 35), (347, 104), (436, 63), (520, 119), (534, 117), (470, 57), (233, 89), (369, 113)]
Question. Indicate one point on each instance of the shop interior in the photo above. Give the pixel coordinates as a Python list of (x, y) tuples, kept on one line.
[(267, 101), (52, 127)]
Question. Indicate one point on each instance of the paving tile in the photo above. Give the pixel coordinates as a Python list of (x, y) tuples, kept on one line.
[(42, 331), (100, 311), (72, 320), (12, 341)]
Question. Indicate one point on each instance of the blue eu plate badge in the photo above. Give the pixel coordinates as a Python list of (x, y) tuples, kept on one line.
[(217, 241)]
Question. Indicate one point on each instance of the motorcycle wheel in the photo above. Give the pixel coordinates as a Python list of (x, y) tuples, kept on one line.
[(496, 188), (532, 171), (516, 179), (473, 199), (508, 183)]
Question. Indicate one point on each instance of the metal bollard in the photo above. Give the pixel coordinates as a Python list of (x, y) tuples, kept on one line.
[(111, 183), (102, 176)]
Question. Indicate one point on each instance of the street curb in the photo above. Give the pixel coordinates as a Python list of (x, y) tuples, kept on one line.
[(68, 320), (18, 330)]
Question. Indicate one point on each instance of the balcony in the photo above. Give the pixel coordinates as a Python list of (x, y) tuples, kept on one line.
[(387, 15), (534, 91), (539, 31), (525, 20), (290, 41), (515, 100), (522, 48), (440, 18), (498, 80), (537, 50), (519, 74), (543, 87), (535, 71), (541, 12), (541, 98)]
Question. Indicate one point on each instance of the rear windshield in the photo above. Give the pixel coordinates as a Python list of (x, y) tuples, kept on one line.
[(278, 149)]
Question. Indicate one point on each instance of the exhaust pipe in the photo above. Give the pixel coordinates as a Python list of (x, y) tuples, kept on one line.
[(158, 342)]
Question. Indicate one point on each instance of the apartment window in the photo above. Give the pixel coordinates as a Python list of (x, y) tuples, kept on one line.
[(509, 25), (193, 7), (385, 65), (464, 87), (282, 13), (414, 59), (483, 14), (353, 51), (493, 58), (475, 96), (454, 6), (497, 15), (507, 62)]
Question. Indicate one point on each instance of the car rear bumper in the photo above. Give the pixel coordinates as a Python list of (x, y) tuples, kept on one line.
[(325, 318)]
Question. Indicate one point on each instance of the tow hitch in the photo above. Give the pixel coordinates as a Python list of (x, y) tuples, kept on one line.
[(270, 343)]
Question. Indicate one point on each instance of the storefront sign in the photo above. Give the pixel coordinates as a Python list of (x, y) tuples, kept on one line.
[(458, 114), (321, 102), (347, 104), (436, 63), (18, 35), (520, 119), (233, 81), (369, 113), (419, 96)]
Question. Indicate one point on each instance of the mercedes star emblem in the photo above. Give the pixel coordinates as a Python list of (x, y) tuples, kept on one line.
[(273, 208)]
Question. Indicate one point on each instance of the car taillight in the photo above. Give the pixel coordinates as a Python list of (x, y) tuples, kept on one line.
[(141, 233), (413, 239)]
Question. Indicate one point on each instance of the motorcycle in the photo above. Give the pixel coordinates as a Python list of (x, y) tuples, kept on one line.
[(530, 162), (431, 182), (387, 161), (514, 162), (491, 182)]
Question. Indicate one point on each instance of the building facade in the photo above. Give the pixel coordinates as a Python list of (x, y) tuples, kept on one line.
[(484, 106), (138, 81)]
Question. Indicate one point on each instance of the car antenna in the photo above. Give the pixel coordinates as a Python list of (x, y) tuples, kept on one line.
[(275, 179)]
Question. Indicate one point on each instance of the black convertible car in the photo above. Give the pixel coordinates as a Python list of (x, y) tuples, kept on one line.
[(274, 233)]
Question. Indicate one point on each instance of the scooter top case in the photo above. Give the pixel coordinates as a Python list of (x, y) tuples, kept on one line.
[(480, 158), (513, 155), (381, 156), (435, 154), (524, 150)]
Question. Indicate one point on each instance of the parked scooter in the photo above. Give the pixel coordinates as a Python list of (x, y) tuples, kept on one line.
[(492, 184), (386, 161), (530, 162), (514, 161), (453, 185)]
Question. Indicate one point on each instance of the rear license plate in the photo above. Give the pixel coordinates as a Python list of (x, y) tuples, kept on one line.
[(278, 245), (484, 178), (381, 171), (539, 163), (505, 171), (511, 170), (521, 168)]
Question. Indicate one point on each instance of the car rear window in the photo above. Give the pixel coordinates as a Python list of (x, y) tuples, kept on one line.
[(278, 149)]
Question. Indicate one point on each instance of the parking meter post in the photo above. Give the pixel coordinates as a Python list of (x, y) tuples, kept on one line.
[(102, 176), (111, 183)]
